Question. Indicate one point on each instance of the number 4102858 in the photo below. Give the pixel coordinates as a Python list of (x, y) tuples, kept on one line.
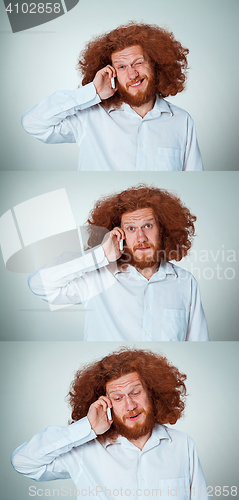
[(34, 8)]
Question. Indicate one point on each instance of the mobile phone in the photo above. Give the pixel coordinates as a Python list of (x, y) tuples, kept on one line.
[(121, 245), (109, 414), (112, 82)]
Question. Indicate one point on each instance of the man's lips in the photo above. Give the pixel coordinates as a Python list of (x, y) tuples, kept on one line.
[(142, 248), (134, 417), (136, 83)]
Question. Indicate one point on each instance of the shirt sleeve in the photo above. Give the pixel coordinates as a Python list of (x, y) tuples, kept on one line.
[(197, 326), (192, 158), (198, 485), (44, 457), (74, 281), (54, 119)]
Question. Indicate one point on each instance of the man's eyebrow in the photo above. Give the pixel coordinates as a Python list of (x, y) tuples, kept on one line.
[(145, 222), (122, 61), (132, 388)]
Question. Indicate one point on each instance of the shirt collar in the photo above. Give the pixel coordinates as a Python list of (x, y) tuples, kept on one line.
[(159, 432), (165, 268), (160, 106)]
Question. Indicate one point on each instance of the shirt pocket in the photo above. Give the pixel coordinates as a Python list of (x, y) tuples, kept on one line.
[(174, 324), (168, 159), (174, 488)]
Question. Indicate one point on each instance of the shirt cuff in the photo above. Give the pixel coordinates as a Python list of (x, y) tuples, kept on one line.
[(81, 431), (86, 96), (63, 439), (100, 256)]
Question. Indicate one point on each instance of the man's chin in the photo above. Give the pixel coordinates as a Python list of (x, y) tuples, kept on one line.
[(141, 261), (145, 260), (138, 429), (139, 97)]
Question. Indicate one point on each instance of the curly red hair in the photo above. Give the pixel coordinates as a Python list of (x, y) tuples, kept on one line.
[(175, 221), (164, 382), (167, 56)]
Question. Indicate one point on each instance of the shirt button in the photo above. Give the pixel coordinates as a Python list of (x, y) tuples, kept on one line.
[(142, 480), (148, 307), (86, 97), (80, 434), (141, 145), (147, 334), (57, 445)]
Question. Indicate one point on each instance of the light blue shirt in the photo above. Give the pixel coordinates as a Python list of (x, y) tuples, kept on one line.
[(120, 303), (168, 463), (116, 139)]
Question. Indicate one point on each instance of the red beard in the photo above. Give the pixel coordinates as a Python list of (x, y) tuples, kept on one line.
[(142, 96), (145, 261), (139, 429)]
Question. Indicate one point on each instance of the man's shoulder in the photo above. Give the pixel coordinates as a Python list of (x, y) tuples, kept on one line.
[(178, 436), (179, 271), (175, 110)]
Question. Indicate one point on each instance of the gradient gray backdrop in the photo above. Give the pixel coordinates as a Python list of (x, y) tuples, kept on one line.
[(38, 61), (35, 378), (212, 197)]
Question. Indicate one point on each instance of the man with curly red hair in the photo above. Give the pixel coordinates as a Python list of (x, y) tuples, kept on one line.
[(119, 118), (128, 286), (127, 451)]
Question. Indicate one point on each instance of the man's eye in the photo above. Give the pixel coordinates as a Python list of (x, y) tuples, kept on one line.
[(117, 399), (131, 228), (148, 226), (135, 393)]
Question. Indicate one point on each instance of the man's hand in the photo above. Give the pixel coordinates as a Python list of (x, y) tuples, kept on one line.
[(102, 82), (97, 415), (111, 244)]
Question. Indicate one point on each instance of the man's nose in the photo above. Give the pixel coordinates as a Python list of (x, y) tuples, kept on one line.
[(130, 404), (132, 73), (141, 236)]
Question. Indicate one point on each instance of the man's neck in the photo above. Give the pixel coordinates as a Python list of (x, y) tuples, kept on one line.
[(140, 442), (144, 109), (148, 272)]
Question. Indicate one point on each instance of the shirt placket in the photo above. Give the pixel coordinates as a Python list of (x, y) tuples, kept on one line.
[(141, 154), (141, 478), (147, 313)]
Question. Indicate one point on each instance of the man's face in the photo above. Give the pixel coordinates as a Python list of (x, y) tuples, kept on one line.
[(132, 408), (135, 75), (142, 236)]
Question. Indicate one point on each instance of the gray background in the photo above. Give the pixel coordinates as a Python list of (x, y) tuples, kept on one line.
[(41, 60), (212, 197), (35, 378)]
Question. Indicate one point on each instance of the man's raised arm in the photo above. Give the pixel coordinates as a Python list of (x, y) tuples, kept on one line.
[(54, 119), (42, 458), (76, 279)]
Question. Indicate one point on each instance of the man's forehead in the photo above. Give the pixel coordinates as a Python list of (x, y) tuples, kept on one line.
[(137, 215), (128, 52), (124, 382)]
